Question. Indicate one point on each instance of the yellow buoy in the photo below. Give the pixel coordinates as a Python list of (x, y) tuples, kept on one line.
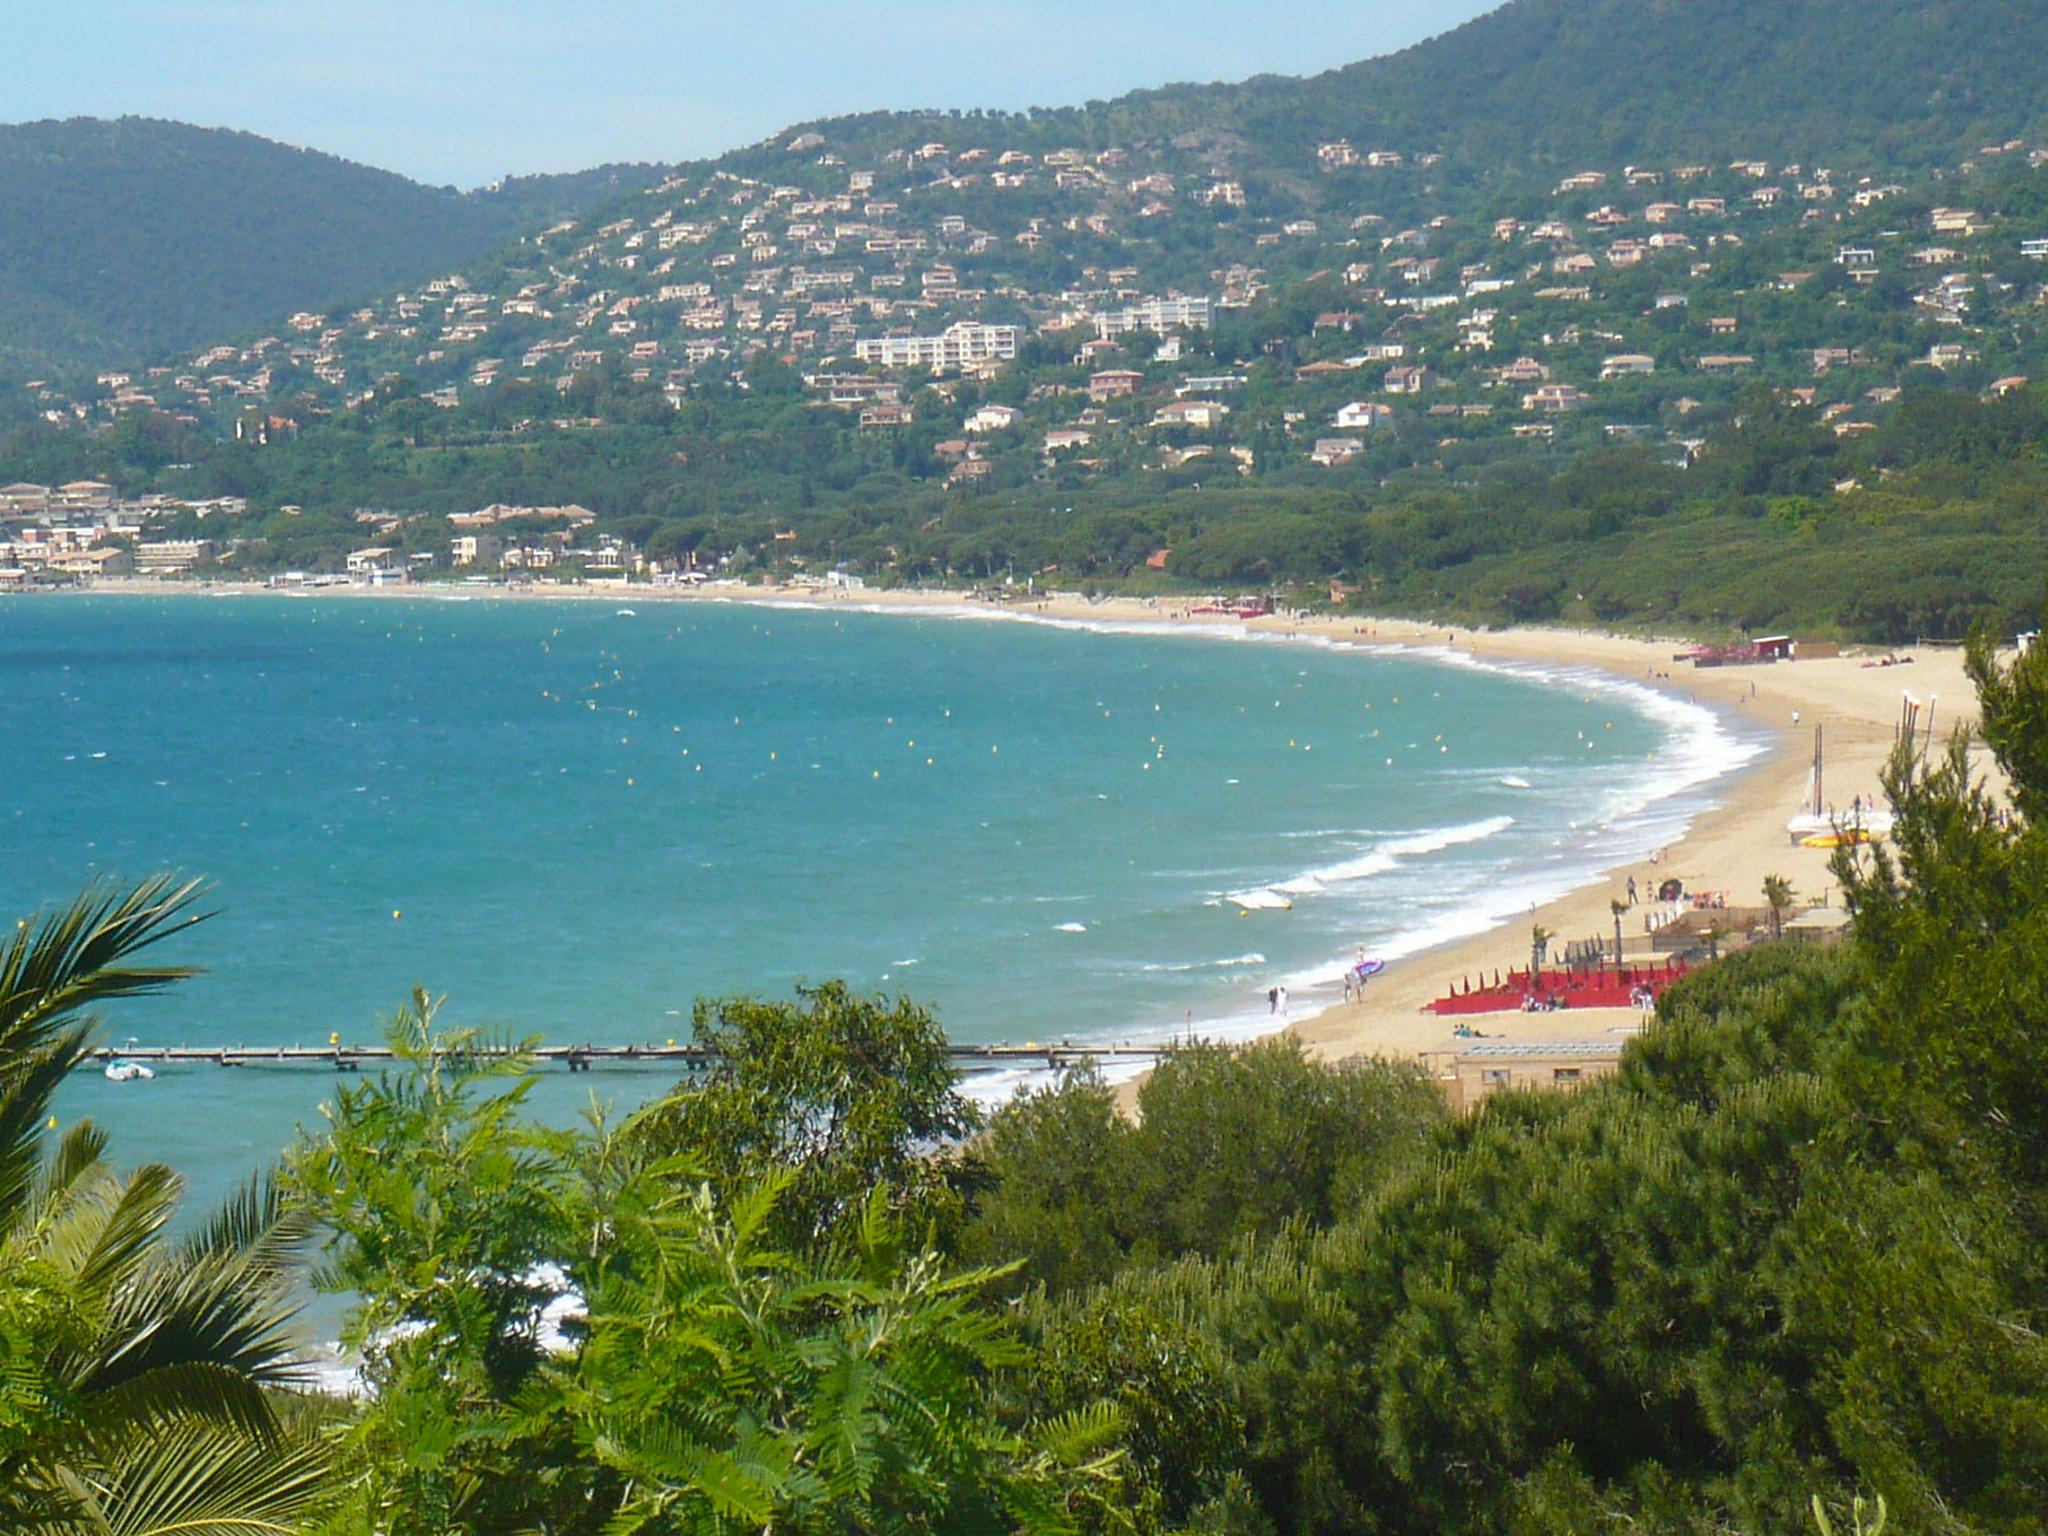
[(394, 914)]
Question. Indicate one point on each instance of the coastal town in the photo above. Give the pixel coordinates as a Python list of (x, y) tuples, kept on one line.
[(1009, 317)]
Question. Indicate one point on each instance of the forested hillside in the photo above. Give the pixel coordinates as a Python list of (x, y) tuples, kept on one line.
[(121, 241), (1539, 85)]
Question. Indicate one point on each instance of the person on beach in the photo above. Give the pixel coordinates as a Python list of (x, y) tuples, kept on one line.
[(1631, 890), (1282, 999), (1272, 999)]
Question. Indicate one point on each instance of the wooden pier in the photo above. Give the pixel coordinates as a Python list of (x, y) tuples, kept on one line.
[(581, 1058)]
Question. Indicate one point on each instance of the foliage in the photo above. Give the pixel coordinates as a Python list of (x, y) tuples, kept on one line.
[(1229, 1144), (136, 1374), (572, 1331), (1791, 1251), (847, 1097)]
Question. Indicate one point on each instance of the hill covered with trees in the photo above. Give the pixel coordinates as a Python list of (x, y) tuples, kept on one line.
[(1537, 86), (129, 239)]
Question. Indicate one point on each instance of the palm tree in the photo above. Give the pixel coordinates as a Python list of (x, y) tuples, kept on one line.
[(1539, 945), (1779, 896), (1620, 910), (138, 1390)]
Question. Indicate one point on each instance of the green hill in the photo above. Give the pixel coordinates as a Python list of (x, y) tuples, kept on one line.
[(133, 239), (1540, 85), (138, 238)]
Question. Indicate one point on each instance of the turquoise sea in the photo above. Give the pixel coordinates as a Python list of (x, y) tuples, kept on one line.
[(573, 819)]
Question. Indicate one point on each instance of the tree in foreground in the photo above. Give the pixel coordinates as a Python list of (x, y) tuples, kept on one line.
[(138, 1375), (584, 1331), (1230, 1144), (844, 1095)]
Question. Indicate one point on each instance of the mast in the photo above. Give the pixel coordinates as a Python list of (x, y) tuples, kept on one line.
[(1816, 770)]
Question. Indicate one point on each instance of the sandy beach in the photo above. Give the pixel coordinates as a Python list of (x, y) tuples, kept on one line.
[(1729, 847)]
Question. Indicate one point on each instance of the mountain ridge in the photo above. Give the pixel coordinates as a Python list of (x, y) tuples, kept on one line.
[(131, 237)]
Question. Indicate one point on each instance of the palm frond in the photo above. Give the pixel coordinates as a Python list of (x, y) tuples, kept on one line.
[(28, 1080), (200, 1481), (213, 1311), (254, 1224), (54, 968), (192, 1392), (74, 957), (130, 1228), (78, 1154)]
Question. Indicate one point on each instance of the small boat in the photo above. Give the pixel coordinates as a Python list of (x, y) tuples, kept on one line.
[(1845, 837), (122, 1070)]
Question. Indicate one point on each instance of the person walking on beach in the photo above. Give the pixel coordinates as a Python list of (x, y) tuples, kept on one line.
[(1272, 999), (1631, 890), (1283, 1001)]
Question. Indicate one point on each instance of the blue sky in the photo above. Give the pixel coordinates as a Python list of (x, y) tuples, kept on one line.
[(465, 91)]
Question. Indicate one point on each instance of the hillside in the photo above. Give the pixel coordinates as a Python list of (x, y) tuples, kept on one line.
[(975, 346), (132, 238), (1538, 86), (135, 239), (1897, 84)]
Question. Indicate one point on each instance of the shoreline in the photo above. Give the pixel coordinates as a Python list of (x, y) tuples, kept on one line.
[(1728, 844)]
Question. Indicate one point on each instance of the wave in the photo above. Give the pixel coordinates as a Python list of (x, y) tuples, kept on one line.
[(1389, 855), (1254, 958), (1070, 928), (1262, 900)]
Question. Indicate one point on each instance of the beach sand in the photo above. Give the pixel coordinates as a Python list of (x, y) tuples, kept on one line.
[(1729, 847)]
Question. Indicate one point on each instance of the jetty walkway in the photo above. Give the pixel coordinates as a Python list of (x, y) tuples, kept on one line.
[(582, 1058)]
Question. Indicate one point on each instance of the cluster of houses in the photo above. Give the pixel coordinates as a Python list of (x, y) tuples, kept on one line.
[(83, 530), (889, 278)]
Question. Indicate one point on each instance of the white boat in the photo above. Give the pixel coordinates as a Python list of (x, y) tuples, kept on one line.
[(1854, 825), (122, 1070)]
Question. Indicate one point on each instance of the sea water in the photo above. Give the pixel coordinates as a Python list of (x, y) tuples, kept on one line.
[(573, 818)]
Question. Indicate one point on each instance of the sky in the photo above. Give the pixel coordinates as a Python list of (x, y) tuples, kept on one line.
[(466, 91)]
